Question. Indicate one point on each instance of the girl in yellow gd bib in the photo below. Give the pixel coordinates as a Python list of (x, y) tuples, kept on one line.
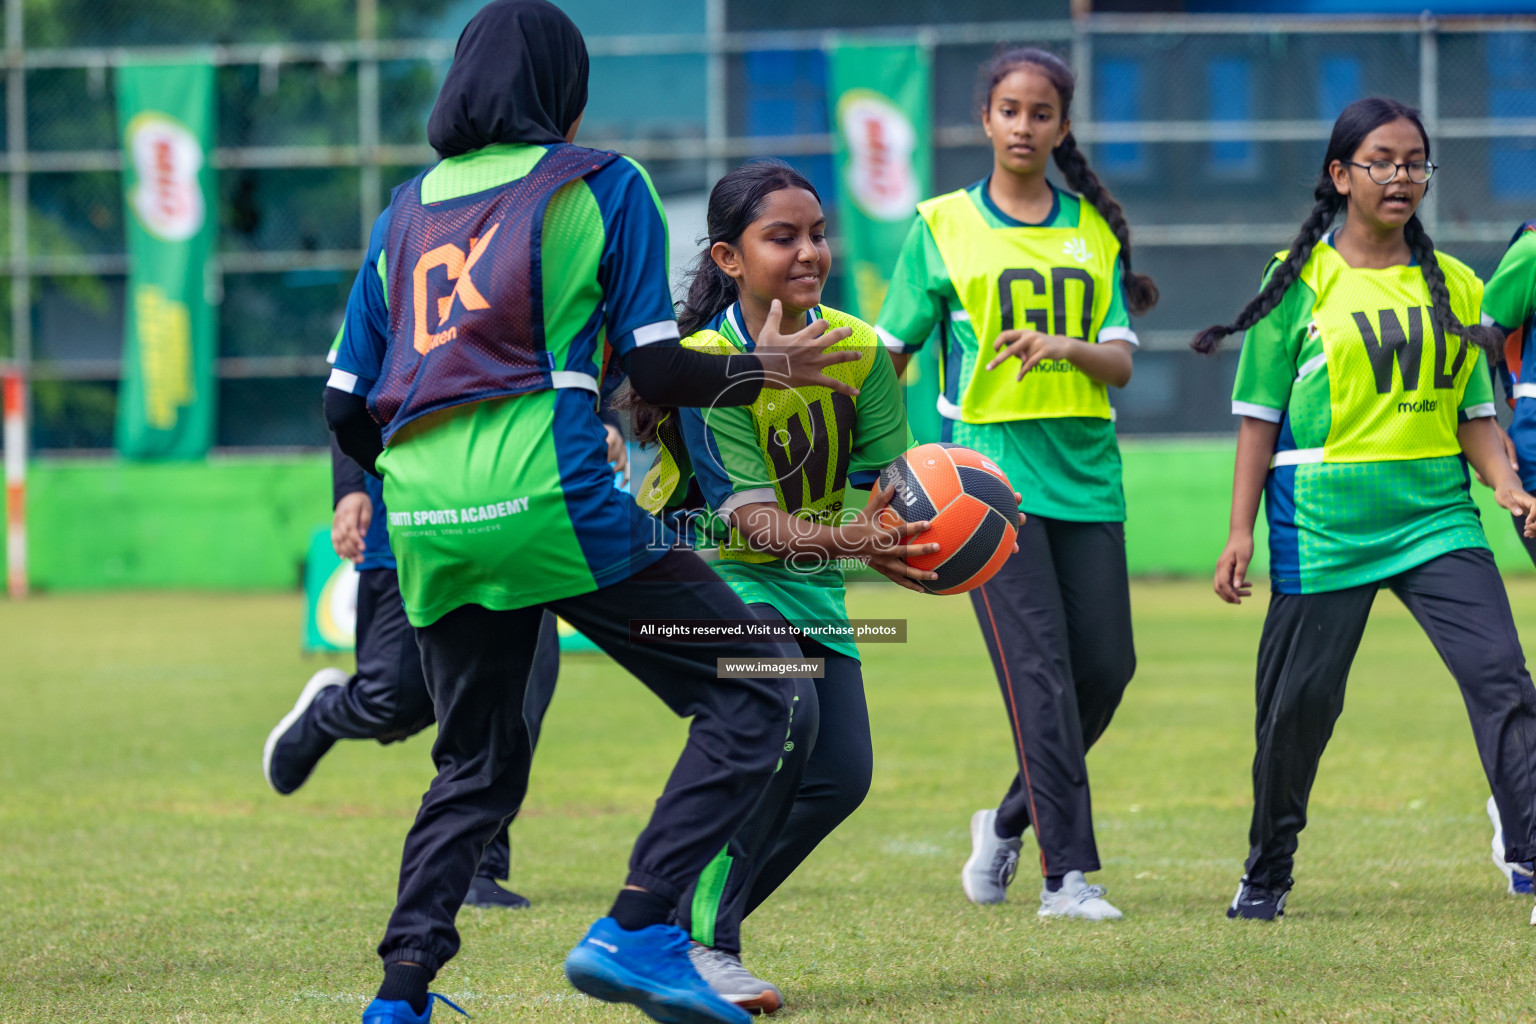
[(1015, 268), (1364, 393)]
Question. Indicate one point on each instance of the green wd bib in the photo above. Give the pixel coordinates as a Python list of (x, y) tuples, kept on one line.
[(1052, 280)]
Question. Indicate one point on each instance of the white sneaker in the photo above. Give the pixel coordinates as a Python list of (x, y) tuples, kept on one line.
[(1076, 898), (732, 982), (1516, 876), (992, 863)]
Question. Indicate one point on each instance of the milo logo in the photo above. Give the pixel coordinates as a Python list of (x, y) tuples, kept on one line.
[(336, 607), (166, 197), (881, 140)]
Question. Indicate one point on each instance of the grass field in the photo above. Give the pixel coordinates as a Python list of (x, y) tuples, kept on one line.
[(147, 873)]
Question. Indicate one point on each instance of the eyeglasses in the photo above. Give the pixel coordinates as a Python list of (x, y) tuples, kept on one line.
[(1384, 172)]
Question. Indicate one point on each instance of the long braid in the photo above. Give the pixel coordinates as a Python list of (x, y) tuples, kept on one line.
[(1423, 250), (1329, 203), (1140, 290)]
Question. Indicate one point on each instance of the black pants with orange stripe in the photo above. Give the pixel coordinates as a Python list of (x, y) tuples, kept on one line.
[(1057, 622)]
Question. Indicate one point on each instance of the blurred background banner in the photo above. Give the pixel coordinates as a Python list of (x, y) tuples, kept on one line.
[(166, 398), (882, 122), (330, 597), (880, 114)]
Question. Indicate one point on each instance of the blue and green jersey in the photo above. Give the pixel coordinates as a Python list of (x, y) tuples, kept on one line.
[(1367, 479), (1509, 302), (509, 501)]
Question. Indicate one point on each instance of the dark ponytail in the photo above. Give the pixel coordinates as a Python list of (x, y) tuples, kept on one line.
[(734, 203), (1356, 121), (1329, 203), (1140, 291)]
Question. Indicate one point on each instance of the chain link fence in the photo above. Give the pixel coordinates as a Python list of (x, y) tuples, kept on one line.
[(1210, 129)]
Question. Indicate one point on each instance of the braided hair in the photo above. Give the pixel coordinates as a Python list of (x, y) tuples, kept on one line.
[(734, 203), (1357, 121), (1140, 291)]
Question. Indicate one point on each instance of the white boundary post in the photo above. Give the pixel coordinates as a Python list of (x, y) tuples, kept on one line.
[(15, 483)]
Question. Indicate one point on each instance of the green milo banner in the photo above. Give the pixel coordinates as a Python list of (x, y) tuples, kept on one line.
[(882, 121), (330, 596), (166, 120)]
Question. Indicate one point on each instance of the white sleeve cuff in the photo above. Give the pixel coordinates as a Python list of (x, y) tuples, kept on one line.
[(890, 340), (757, 495), (1489, 321), (1477, 412), (1119, 334), (1258, 412), (661, 330), (341, 380)]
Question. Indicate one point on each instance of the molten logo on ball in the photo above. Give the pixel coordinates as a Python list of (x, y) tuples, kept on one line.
[(971, 507)]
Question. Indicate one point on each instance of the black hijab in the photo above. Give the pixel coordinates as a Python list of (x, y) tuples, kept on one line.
[(519, 74)]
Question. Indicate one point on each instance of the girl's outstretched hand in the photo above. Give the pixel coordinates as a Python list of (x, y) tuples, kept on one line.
[(1232, 569), (801, 359), (1519, 503), (885, 548)]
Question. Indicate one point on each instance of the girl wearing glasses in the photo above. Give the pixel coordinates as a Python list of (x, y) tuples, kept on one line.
[(1363, 393)]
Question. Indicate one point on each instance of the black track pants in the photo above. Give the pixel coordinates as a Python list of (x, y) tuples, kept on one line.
[(387, 699), (824, 776), (477, 663), (1528, 542), (1308, 644), (1057, 622)]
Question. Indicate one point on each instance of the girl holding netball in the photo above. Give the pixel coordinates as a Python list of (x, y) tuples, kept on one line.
[(498, 288), (1363, 395), (773, 475), (1015, 268)]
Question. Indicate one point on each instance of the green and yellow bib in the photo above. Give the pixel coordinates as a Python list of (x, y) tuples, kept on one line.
[(1395, 378), (1054, 280)]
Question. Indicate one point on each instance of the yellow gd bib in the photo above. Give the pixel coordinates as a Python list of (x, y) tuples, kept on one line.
[(1395, 378), (1052, 280)]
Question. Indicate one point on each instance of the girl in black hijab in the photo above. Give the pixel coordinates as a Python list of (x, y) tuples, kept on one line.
[(489, 307)]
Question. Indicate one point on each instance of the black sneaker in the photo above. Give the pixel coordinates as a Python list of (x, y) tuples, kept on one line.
[(295, 746), (487, 892), (1256, 903)]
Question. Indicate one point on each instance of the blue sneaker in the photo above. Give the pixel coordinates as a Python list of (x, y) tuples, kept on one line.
[(651, 969), (398, 1011), (1256, 903)]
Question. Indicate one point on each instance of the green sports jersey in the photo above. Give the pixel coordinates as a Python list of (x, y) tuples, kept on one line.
[(1367, 479), (798, 449), (1509, 302), (1060, 453), (509, 501), (1509, 297)]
